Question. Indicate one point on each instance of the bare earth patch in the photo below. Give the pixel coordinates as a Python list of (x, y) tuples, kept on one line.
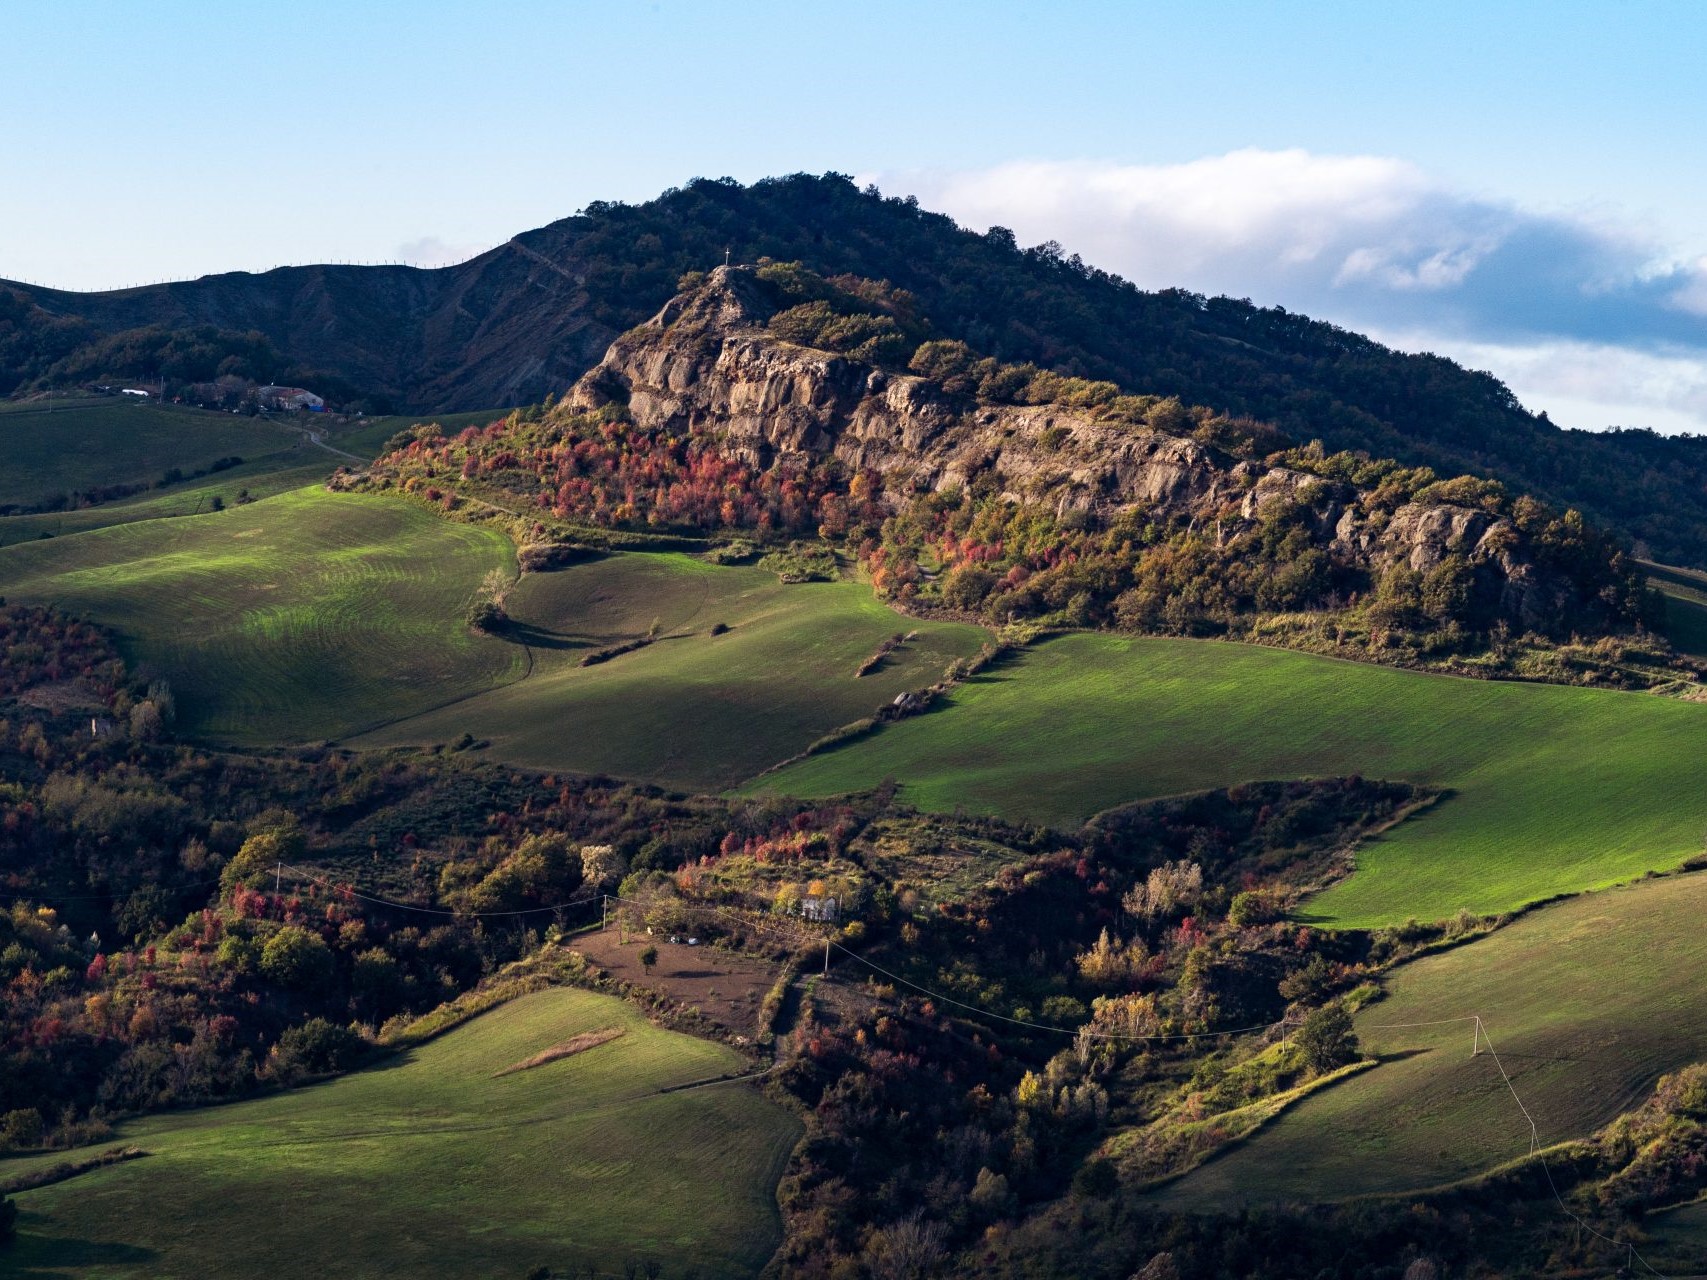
[(725, 986), (568, 1049), (63, 696)]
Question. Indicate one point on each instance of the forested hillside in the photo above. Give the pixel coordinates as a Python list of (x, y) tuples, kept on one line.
[(528, 317), (772, 406)]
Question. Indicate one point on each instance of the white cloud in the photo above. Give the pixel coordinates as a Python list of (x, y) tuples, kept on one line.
[(1691, 296), (1176, 224), (430, 251), (1585, 384), (1585, 316), (1442, 269)]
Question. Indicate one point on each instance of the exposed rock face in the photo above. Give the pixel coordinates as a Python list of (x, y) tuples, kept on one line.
[(707, 362)]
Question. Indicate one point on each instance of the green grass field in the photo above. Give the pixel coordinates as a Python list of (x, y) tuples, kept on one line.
[(1678, 1240), (278, 460), (262, 478), (118, 440), (434, 1168), (304, 616), (1586, 1001), (694, 711), (1554, 789), (1685, 591)]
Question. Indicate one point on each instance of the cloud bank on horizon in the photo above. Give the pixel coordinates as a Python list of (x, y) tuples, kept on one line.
[(1583, 314)]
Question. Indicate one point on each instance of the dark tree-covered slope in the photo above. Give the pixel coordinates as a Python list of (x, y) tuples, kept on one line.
[(531, 315)]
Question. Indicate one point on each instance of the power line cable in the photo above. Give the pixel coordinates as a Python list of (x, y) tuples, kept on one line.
[(1541, 1158), (301, 874), (1481, 1034), (1041, 1026), (986, 1013), (1535, 1150)]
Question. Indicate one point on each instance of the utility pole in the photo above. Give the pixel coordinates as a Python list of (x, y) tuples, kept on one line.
[(278, 877), (826, 957)]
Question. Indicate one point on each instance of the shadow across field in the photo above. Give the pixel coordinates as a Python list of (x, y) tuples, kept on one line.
[(436, 1165), (1586, 1003), (536, 637), (1554, 790), (745, 671), (39, 1256), (299, 618)]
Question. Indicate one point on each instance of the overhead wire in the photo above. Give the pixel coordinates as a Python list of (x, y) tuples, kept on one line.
[(1072, 1032), (1481, 1032), (1541, 1159), (330, 886)]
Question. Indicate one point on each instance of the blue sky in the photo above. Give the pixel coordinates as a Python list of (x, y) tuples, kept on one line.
[(1517, 185)]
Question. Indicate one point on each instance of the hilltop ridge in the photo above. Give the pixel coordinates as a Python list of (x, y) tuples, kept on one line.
[(711, 364), (771, 403), (527, 317)]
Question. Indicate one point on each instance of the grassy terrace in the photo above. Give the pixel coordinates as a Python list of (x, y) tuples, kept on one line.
[(694, 710), (438, 1166), (1685, 591), (301, 617), (104, 440), (1554, 789), (1586, 1001), (111, 440), (312, 615)]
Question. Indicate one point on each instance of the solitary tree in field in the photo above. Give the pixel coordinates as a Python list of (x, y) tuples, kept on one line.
[(1327, 1039), (649, 957)]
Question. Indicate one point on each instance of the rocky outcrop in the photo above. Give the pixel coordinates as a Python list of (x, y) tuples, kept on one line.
[(706, 363)]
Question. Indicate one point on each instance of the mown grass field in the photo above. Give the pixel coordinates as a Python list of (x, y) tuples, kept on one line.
[(1685, 591), (693, 710), (304, 616), (435, 1168), (1554, 789), (1678, 1240), (1587, 1002), (119, 440), (280, 459), (262, 478)]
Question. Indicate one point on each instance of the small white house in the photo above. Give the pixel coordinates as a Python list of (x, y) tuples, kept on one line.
[(824, 910)]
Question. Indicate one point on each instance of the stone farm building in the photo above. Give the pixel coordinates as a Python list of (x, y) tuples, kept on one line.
[(289, 398)]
